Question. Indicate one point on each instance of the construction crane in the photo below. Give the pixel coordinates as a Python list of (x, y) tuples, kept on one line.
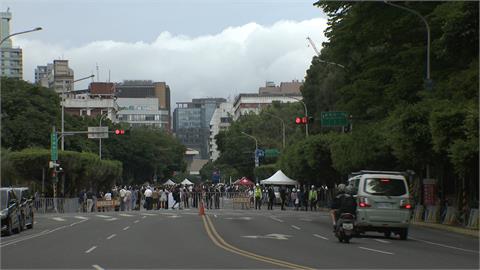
[(318, 54)]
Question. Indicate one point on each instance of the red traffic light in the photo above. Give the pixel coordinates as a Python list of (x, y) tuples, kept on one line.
[(304, 120), (119, 131), (298, 120)]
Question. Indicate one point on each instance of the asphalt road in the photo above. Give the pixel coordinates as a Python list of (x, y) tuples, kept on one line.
[(223, 239)]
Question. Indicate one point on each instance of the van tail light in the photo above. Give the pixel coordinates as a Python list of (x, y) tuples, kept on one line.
[(405, 204), (363, 202)]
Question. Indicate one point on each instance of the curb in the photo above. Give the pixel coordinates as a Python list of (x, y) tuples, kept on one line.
[(454, 229)]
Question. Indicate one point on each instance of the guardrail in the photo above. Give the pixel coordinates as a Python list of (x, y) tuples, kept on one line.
[(56, 205)]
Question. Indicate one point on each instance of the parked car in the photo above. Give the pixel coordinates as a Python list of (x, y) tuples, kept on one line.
[(383, 203), (10, 211), (25, 198)]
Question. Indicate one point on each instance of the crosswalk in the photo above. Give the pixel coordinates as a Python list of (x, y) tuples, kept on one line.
[(107, 217)]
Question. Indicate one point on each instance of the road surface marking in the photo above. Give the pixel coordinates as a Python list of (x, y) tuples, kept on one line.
[(126, 228), (125, 215), (144, 217), (306, 219), (215, 216), (382, 241), (58, 219), (147, 214), (136, 221), (14, 241), (174, 216), (111, 236), (218, 240), (80, 217), (91, 249), (276, 219), (239, 218), (97, 267), (376, 250), (269, 236), (445, 246), (295, 227), (34, 222), (103, 216), (319, 236), (111, 219)]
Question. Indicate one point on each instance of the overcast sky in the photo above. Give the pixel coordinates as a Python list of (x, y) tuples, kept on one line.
[(208, 48)]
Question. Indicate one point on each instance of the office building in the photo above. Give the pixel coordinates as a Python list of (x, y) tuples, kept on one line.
[(191, 122), (11, 58), (221, 120), (57, 76), (144, 103)]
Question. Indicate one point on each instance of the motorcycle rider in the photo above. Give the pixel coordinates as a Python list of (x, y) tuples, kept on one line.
[(342, 203)]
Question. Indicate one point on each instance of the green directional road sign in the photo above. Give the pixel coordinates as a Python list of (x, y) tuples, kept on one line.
[(53, 146), (334, 119), (272, 152)]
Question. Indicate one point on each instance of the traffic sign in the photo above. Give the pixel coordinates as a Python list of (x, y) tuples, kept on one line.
[(53, 147), (272, 152), (97, 132), (259, 153), (334, 119)]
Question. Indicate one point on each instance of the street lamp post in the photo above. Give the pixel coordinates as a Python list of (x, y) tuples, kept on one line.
[(100, 139), (428, 33), (283, 125), (306, 113), (256, 147), (63, 107)]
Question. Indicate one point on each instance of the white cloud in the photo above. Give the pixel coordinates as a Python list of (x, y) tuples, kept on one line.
[(239, 59)]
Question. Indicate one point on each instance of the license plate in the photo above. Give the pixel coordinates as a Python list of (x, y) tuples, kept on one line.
[(384, 205), (347, 226)]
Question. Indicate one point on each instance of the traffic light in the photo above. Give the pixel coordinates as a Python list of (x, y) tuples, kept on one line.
[(298, 120), (303, 120), (119, 131)]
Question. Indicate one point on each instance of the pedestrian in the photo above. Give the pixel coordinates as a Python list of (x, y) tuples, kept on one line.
[(122, 192), (155, 198), (89, 195), (294, 198), (271, 198), (217, 197), (163, 199), (148, 198), (283, 196), (108, 199), (258, 197), (176, 198), (312, 198), (128, 199)]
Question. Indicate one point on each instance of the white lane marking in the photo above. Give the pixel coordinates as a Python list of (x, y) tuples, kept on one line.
[(144, 217), (147, 214), (295, 227), (239, 218), (103, 216), (90, 249), (126, 228), (136, 221), (306, 219), (276, 219), (80, 217), (319, 236), (275, 236), (34, 222), (58, 219), (111, 236), (174, 216), (38, 234), (445, 246), (111, 219), (97, 267), (382, 241), (126, 215), (215, 216), (376, 250)]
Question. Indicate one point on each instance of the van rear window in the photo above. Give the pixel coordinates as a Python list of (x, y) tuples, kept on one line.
[(385, 186)]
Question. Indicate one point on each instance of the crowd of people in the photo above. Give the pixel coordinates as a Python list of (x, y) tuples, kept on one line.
[(128, 198)]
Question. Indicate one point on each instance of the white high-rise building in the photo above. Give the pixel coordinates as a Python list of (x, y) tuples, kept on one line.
[(11, 58), (221, 120)]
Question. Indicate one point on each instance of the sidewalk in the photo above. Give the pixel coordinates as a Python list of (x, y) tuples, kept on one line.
[(449, 228)]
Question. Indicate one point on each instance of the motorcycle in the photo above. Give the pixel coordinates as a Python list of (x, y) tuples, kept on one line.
[(345, 227)]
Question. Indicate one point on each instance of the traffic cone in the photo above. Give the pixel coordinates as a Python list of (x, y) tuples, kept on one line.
[(201, 211)]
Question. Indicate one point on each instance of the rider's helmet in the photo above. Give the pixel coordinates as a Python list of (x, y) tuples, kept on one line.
[(341, 188), (349, 189), (257, 185)]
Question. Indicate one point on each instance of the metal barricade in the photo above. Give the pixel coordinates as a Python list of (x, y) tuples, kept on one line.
[(56, 205)]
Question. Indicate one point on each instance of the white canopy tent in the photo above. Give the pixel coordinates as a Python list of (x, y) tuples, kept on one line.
[(169, 183), (186, 182), (279, 178)]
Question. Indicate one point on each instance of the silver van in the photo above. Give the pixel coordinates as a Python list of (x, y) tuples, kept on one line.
[(383, 203)]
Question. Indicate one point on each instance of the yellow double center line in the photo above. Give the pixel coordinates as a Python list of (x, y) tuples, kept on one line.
[(218, 240)]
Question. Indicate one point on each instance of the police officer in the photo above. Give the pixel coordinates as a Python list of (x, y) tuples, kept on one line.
[(258, 197)]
